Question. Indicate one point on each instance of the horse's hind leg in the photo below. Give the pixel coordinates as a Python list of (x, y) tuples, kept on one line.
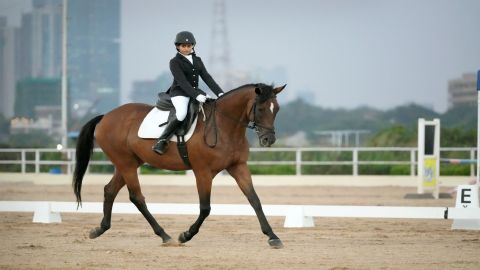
[(110, 192), (137, 198)]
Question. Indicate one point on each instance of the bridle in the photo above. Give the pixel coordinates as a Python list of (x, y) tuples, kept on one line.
[(251, 122)]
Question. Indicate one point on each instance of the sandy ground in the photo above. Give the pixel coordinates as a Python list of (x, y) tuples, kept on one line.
[(234, 242)]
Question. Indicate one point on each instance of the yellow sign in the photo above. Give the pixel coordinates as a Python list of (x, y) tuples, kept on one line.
[(429, 172)]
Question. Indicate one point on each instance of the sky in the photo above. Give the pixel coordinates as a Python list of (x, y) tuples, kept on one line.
[(336, 53)]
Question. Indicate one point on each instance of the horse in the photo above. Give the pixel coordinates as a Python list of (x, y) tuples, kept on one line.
[(218, 144)]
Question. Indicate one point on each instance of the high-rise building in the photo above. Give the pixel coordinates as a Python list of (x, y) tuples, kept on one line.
[(93, 55), (34, 52), (38, 59), (40, 49), (462, 91), (33, 93), (9, 40)]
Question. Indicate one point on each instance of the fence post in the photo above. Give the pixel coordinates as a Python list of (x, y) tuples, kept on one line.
[(355, 161), (37, 161), (472, 165), (412, 162), (298, 162), (69, 163), (23, 157)]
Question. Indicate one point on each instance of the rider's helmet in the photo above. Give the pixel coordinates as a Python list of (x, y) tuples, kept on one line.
[(185, 37)]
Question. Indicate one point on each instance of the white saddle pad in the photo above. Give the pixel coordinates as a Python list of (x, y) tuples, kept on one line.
[(149, 129)]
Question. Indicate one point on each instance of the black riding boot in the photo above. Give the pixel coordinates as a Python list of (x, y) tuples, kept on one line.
[(161, 146)]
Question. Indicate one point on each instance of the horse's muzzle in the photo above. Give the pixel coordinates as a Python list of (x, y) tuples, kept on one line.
[(266, 140)]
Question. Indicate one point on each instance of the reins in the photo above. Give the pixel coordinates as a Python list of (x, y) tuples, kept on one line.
[(207, 120)]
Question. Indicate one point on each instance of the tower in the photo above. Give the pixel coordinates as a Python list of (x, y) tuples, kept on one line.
[(220, 48)]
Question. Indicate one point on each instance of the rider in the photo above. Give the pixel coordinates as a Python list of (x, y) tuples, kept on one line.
[(186, 69)]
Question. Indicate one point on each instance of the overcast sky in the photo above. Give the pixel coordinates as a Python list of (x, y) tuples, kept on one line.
[(349, 53)]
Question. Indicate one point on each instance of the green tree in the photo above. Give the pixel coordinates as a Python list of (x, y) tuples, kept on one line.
[(394, 136)]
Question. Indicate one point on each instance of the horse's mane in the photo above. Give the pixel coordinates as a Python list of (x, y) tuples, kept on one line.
[(266, 93)]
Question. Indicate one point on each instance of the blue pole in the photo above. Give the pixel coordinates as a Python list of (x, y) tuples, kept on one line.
[(478, 127)]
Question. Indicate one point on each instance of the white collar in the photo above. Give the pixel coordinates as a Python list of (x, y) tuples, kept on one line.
[(189, 57)]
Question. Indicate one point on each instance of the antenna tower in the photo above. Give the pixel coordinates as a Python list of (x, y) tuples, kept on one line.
[(220, 47)]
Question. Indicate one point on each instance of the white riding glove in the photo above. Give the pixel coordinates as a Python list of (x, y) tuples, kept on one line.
[(221, 94), (201, 98)]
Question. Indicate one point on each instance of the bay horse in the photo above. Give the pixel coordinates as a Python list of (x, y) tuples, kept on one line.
[(217, 144)]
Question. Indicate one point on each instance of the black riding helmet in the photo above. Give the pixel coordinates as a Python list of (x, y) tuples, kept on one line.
[(185, 37)]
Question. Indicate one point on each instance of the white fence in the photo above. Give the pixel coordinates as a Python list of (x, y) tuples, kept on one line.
[(295, 157)]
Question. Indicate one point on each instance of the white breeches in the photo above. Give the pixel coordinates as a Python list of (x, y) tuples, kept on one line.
[(181, 106)]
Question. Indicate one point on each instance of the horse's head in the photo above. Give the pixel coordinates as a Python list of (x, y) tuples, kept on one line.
[(263, 111)]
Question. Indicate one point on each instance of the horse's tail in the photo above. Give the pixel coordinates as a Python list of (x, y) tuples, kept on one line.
[(83, 153)]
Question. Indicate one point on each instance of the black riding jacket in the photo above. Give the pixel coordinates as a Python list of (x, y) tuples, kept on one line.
[(186, 76)]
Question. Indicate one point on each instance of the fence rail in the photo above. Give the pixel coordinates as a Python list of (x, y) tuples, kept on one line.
[(32, 160)]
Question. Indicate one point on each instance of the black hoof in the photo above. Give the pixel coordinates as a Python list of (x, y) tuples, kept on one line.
[(184, 237), (94, 233), (275, 243)]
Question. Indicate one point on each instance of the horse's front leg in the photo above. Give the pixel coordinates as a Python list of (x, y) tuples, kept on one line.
[(242, 175), (204, 188)]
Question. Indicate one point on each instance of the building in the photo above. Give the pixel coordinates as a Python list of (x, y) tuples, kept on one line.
[(34, 94), (146, 91), (9, 40), (93, 56), (93, 51), (40, 34), (37, 107), (462, 91), (30, 62)]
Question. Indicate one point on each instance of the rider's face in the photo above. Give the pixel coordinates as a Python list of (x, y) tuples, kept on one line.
[(185, 48)]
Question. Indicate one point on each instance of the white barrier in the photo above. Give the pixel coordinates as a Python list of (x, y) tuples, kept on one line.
[(467, 198), (428, 160), (295, 215)]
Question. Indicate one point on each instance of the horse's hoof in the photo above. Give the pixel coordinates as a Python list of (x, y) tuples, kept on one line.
[(96, 232), (182, 238), (171, 243), (275, 243)]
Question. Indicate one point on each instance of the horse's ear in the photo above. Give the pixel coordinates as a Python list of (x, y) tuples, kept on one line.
[(279, 89)]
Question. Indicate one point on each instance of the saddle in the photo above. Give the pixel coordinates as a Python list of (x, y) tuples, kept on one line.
[(164, 103)]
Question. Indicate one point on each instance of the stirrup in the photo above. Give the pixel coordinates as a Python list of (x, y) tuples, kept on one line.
[(160, 147)]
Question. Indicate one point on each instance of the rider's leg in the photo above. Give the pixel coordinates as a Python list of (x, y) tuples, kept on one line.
[(181, 106)]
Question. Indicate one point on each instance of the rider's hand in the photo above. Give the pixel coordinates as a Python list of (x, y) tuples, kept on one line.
[(201, 98), (221, 94), (209, 97)]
